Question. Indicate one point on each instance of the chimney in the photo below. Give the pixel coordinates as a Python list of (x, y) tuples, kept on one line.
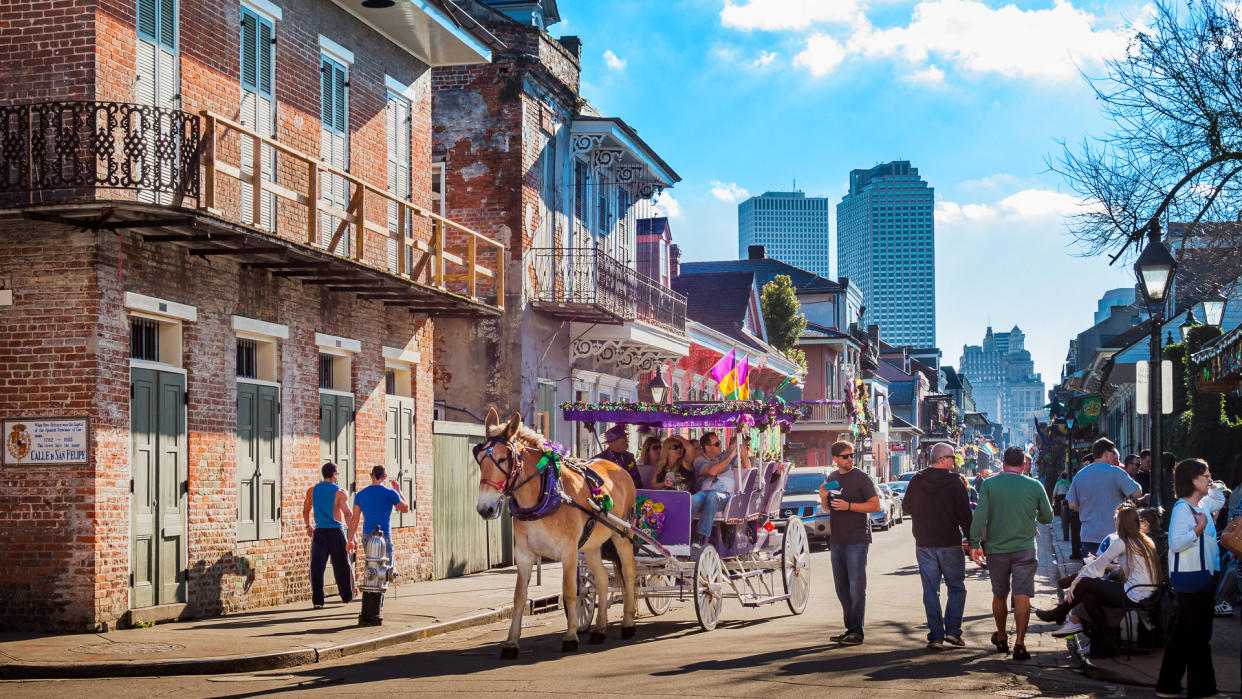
[(756, 252), (674, 262), (574, 44), (873, 332)]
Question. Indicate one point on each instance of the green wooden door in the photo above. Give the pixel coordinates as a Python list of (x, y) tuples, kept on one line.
[(336, 436), (399, 453), (258, 462), (159, 487), (464, 541)]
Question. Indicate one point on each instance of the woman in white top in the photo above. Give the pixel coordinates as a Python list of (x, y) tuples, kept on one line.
[(1192, 550), (1135, 553)]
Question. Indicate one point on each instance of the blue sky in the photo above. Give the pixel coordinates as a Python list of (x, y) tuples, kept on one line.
[(743, 96)]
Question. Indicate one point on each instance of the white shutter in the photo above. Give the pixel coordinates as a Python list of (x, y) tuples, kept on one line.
[(334, 148), (397, 128), (256, 109), (156, 86)]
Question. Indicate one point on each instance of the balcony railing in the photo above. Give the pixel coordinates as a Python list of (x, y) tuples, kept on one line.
[(68, 151), (825, 413), (590, 285)]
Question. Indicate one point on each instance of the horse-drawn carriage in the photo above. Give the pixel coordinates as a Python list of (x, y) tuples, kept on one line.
[(745, 552), (558, 501)]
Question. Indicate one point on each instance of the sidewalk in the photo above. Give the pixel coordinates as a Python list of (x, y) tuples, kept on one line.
[(276, 637), (1143, 669)]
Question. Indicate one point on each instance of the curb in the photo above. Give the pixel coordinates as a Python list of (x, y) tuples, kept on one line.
[(267, 661)]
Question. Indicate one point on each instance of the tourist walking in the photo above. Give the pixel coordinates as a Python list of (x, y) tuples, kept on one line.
[(1098, 490), (1193, 563), (850, 496), (1004, 524), (1058, 503), (330, 507), (936, 498), (373, 506)]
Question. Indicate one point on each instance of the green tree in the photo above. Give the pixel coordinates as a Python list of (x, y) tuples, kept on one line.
[(782, 314)]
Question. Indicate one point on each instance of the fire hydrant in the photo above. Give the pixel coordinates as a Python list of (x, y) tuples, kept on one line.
[(376, 576)]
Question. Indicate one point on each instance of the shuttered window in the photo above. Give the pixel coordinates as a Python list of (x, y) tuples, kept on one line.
[(258, 462), (397, 127), (156, 85), (333, 146), (257, 108)]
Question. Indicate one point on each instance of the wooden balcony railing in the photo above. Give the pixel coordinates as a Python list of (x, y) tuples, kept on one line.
[(453, 257), (826, 413)]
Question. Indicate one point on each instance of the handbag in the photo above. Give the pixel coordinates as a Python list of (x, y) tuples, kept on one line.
[(1231, 538), (1192, 582)]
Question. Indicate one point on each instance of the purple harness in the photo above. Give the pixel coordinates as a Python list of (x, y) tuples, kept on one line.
[(551, 496)]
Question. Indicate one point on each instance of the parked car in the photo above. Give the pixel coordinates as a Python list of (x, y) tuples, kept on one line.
[(802, 499), (899, 492), (905, 477), (890, 509)]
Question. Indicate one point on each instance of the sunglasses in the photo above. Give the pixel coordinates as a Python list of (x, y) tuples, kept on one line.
[(847, 456), (678, 447), (711, 444)]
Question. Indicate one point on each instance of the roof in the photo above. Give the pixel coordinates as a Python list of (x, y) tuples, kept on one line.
[(901, 393), (815, 330), (951, 380), (594, 123), (898, 423), (719, 301), (765, 270)]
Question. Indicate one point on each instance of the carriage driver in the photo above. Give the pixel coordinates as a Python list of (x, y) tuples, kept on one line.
[(715, 473)]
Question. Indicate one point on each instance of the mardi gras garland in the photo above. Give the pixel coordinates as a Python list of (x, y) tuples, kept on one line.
[(747, 412)]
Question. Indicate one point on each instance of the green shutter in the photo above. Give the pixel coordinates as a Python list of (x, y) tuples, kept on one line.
[(265, 50), (267, 429), (325, 92), (249, 45), (247, 461), (168, 24), (146, 19), (399, 445), (345, 441), (143, 460)]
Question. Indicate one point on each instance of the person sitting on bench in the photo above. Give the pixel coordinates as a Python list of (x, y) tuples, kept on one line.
[(715, 472)]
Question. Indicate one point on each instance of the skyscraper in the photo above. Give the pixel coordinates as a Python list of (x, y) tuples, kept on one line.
[(792, 227), (886, 245), (1005, 384)]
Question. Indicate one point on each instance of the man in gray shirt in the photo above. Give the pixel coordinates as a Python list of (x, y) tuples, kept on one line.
[(1096, 492)]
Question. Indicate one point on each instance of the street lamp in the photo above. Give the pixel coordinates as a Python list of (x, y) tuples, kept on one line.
[(1214, 308), (658, 389), (1154, 269), (1187, 325)]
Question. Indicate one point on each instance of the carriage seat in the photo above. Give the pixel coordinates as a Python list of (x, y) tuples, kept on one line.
[(737, 505), (647, 472)]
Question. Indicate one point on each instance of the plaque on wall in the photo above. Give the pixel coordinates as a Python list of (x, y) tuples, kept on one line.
[(46, 441)]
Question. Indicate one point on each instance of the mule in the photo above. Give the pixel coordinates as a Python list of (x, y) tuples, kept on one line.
[(508, 467)]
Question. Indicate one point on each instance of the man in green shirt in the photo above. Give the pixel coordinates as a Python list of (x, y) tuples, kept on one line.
[(1009, 506)]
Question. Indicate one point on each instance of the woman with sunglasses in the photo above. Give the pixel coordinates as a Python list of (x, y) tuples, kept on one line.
[(675, 471)]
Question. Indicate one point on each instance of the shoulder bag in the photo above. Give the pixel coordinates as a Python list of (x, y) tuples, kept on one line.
[(1192, 582), (1231, 538)]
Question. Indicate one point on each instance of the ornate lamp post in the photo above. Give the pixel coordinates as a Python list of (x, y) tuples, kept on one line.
[(658, 390), (1187, 325), (1154, 269), (1214, 309)]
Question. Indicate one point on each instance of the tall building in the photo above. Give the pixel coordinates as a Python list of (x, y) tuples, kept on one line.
[(886, 245), (1004, 382), (792, 227)]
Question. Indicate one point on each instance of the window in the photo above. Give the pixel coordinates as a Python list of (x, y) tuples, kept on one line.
[(397, 128), (336, 404), (333, 145), (438, 186), (580, 191), (144, 339), (247, 359)]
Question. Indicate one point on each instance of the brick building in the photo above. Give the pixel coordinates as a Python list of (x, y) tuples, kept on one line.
[(527, 160), (216, 232)]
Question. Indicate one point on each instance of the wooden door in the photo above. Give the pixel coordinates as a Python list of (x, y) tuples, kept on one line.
[(159, 489), (464, 541), (399, 453)]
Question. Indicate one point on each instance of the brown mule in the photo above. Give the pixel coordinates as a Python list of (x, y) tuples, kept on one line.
[(555, 535)]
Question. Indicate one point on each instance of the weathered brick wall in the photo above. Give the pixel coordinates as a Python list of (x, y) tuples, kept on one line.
[(47, 369), (46, 51)]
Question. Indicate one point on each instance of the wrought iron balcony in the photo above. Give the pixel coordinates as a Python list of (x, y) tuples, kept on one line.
[(819, 414), (588, 285), (284, 211)]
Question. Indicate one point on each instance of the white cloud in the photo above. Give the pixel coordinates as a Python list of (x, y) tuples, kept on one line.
[(774, 15), (612, 61), (764, 60), (928, 76), (821, 56), (1028, 205), (666, 205), (1047, 44), (729, 192)]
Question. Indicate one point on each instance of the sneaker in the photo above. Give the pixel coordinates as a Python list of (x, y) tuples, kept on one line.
[(852, 639), (839, 637), (1168, 694), (954, 641), (1069, 628), (318, 606), (935, 644), (1223, 609)]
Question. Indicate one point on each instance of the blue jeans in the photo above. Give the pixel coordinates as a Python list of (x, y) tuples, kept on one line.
[(710, 502), (948, 562), (849, 573)]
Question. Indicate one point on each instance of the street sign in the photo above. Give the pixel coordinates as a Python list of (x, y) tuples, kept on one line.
[(1142, 381)]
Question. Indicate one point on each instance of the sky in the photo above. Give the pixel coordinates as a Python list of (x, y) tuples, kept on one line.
[(746, 96)]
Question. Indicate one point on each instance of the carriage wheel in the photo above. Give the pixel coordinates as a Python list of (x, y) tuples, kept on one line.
[(708, 587), (659, 603), (587, 599), (796, 565)]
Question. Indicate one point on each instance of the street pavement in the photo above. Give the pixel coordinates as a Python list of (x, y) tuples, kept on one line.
[(764, 651)]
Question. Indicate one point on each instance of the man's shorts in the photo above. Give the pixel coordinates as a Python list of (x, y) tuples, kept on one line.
[(1018, 566)]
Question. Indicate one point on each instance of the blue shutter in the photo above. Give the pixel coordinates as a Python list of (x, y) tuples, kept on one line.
[(325, 92), (146, 19), (168, 24), (265, 49), (249, 61), (338, 98)]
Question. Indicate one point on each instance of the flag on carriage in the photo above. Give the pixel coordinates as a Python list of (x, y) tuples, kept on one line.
[(743, 379), (723, 374)]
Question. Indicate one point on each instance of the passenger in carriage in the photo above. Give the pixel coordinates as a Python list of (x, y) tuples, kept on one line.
[(650, 455), (715, 471), (616, 452), (676, 470)]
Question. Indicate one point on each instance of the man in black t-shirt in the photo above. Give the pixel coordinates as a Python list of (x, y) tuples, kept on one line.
[(850, 495)]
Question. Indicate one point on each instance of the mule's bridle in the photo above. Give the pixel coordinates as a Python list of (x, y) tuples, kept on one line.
[(485, 451)]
